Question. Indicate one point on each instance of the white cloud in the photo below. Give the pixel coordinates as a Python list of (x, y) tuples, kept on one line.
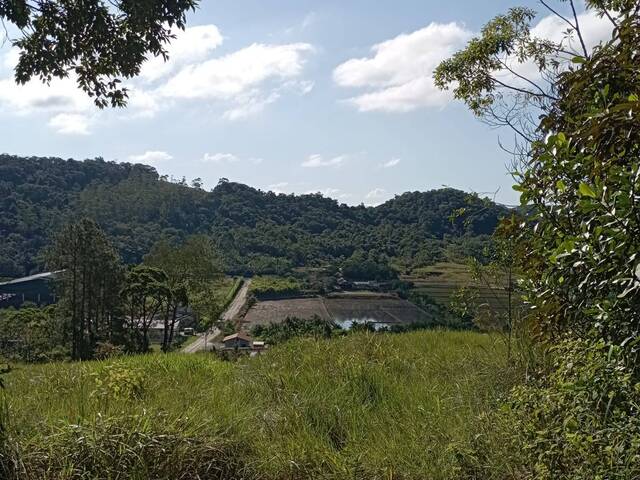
[(237, 73), (594, 30), (249, 105), (190, 45), (246, 80), (398, 76), (308, 20), (242, 83), (391, 163), (10, 59), (325, 192), (151, 157), (70, 124), (61, 96), (316, 161), (278, 188), (375, 197), (220, 158), (229, 158)]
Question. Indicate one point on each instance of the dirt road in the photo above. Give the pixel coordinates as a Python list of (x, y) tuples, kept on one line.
[(229, 314)]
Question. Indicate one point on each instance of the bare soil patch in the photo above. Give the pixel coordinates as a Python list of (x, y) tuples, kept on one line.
[(374, 308)]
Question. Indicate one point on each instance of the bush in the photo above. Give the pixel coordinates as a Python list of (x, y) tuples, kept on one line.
[(32, 335), (581, 421), (296, 327), (274, 287)]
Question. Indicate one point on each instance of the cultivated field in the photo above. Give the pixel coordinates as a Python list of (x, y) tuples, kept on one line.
[(442, 280), (382, 309)]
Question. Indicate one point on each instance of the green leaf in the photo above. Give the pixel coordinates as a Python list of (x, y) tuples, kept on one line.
[(586, 191), (560, 185), (633, 97), (578, 60)]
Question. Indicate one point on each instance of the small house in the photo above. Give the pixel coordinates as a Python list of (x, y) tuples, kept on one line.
[(237, 341), (156, 330)]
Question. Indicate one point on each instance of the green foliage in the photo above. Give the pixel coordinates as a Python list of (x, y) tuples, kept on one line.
[(193, 270), (295, 327), (474, 70), (578, 248), (33, 335), (583, 185), (89, 282), (579, 421), (583, 422), (361, 406), (254, 232), (100, 42), (117, 381), (145, 294), (274, 287), (363, 266)]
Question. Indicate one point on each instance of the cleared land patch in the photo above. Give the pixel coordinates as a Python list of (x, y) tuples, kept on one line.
[(383, 309)]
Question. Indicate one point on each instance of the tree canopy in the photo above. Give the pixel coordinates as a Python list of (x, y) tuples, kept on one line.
[(96, 42), (255, 231)]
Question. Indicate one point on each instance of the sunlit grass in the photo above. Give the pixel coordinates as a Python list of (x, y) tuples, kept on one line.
[(362, 406)]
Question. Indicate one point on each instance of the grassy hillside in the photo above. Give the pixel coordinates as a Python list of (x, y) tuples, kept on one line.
[(364, 406)]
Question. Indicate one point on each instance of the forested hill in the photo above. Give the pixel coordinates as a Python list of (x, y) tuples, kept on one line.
[(257, 231)]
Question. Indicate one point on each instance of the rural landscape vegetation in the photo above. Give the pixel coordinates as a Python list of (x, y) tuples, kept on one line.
[(152, 327)]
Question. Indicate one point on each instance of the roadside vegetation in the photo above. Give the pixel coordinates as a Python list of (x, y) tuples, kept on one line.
[(263, 287), (367, 405)]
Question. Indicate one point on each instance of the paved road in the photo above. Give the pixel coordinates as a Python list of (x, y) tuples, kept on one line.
[(204, 340), (236, 305)]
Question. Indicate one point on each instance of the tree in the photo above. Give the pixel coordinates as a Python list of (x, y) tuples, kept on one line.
[(145, 293), (580, 186), (32, 335), (98, 42), (489, 74), (89, 282), (190, 269), (495, 281)]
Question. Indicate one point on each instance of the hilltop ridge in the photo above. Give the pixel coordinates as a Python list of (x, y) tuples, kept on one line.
[(257, 231)]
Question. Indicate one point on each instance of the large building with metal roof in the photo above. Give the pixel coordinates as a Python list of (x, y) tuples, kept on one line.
[(36, 289)]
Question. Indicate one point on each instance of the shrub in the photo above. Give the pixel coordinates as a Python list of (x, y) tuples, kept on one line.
[(274, 287), (118, 381), (294, 327), (581, 421)]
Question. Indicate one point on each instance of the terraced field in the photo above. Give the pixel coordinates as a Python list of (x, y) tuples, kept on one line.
[(442, 280)]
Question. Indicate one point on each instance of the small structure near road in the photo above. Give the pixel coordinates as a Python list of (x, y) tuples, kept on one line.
[(237, 341)]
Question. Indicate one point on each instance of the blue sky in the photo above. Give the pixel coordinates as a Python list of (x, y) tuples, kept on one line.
[(286, 95)]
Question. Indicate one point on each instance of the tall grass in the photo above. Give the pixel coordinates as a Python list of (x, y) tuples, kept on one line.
[(365, 406)]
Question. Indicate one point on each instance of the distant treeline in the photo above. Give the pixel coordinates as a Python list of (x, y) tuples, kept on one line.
[(257, 232)]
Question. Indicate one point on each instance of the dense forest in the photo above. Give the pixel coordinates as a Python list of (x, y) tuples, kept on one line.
[(256, 231)]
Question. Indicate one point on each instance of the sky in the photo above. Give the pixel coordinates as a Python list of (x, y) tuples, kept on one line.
[(293, 96)]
